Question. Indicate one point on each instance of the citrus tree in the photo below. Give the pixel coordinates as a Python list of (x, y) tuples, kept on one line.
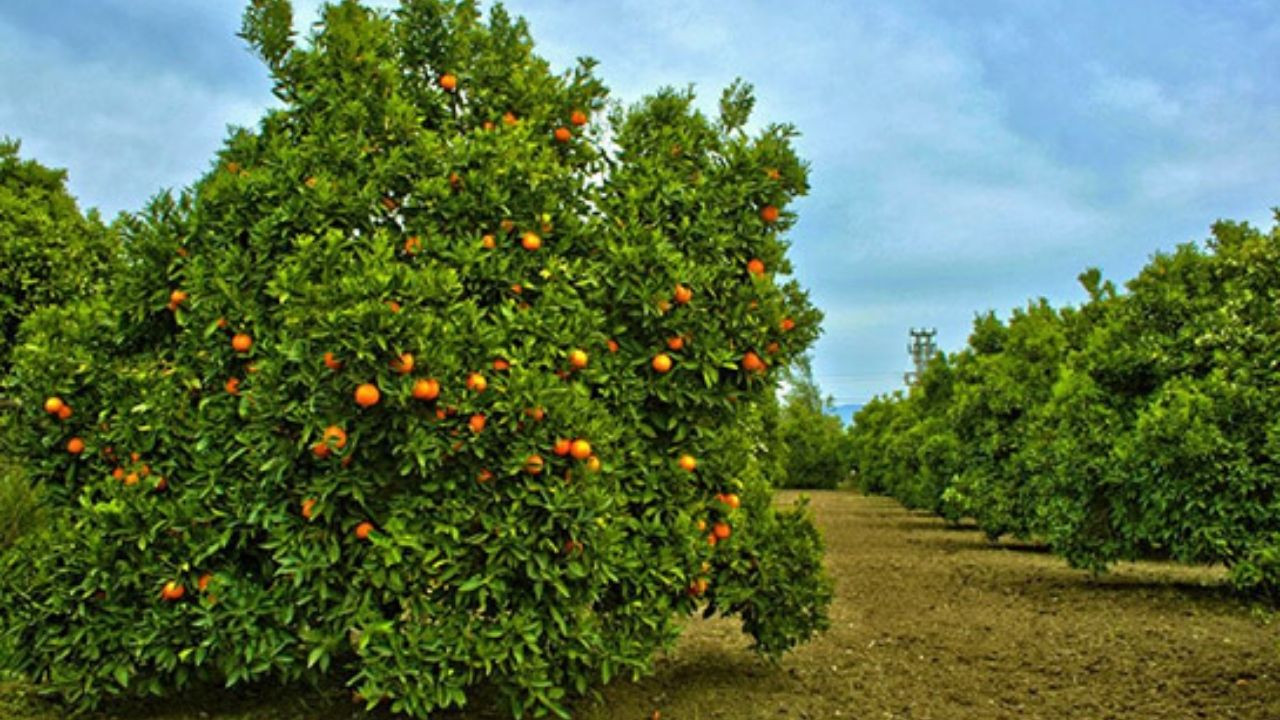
[(815, 451), (450, 374)]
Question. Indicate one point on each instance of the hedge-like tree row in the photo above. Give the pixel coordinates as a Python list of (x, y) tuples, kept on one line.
[(1145, 422)]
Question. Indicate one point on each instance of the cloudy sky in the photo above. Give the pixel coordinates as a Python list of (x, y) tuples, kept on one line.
[(966, 156)]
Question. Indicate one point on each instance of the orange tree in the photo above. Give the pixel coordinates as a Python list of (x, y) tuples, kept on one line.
[(447, 375)]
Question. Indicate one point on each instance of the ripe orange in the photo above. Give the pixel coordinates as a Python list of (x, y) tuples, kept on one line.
[(222, 323), (65, 413), (562, 446), (578, 118), (320, 450), (702, 525), (75, 446), (688, 462), (732, 500), (500, 364), (751, 362), (368, 395), (337, 435), (476, 422), (176, 298), (577, 359), (580, 449), (412, 244), (476, 382), (331, 362), (683, 294), (363, 530), (449, 82), (773, 174), (675, 343), (593, 464), (772, 348), (310, 181), (769, 214), (426, 389), (662, 362), (308, 508), (203, 582), (509, 118), (563, 135), (403, 363), (756, 267), (485, 476), (241, 343), (233, 386), (530, 241), (533, 464), (507, 225), (172, 591), (455, 180), (118, 473), (612, 345), (53, 405), (663, 306), (488, 242), (787, 324), (536, 413), (721, 531), (131, 479), (395, 306), (711, 539)]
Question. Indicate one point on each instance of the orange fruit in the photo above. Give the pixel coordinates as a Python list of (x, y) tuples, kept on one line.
[(241, 343), (612, 345), (593, 464), (577, 359), (675, 343), (131, 479), (702, 525), (530, 241), (176, 298), (476, 422), (476, 382), (368, 395), (562, 446), (173, 591), (233, 386), (75, 446), (320, 450), (721, 530), (688, 462), (455, 180), (203, 582), (751, 362), (412, 244), (562, 134), (683, 294), (308, 508), (711, 539), (488, 242), (731, 500), (662, 362), (449, 82), (310, 181), (135, 457), (395, 306), (337, 435), (787, 324), (363, 530), (500, 364), (161, 484), (118, 473), (769, 214), (756, 267), (53, 405), (772, 348), (222, 323), (578, 118), (426, 389), (533, 464), (331, 362), (509, 118), (485, 476), (145, 470), (536, 413), (580, 449), (772, 173), (64, 413), (664, 305), (403, 363)]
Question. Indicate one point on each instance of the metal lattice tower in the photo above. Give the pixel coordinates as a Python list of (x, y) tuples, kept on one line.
[(922, 349)]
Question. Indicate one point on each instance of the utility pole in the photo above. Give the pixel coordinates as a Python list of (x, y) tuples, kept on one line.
[(922, 349)]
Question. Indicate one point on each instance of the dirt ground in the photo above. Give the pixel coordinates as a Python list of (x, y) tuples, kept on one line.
[(935, 622)]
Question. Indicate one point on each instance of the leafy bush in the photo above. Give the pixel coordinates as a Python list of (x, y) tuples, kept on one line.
[(20, 509), (811, 439), (440, 378)]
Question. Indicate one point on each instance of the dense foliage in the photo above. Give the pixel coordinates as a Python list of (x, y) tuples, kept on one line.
[(1140, 423), (441, 378), (50, 253), (813, 445)]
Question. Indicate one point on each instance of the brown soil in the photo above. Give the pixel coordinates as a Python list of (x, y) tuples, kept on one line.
[(932, 622)]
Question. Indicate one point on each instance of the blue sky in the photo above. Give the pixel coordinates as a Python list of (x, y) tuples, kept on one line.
[(966, 156)]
